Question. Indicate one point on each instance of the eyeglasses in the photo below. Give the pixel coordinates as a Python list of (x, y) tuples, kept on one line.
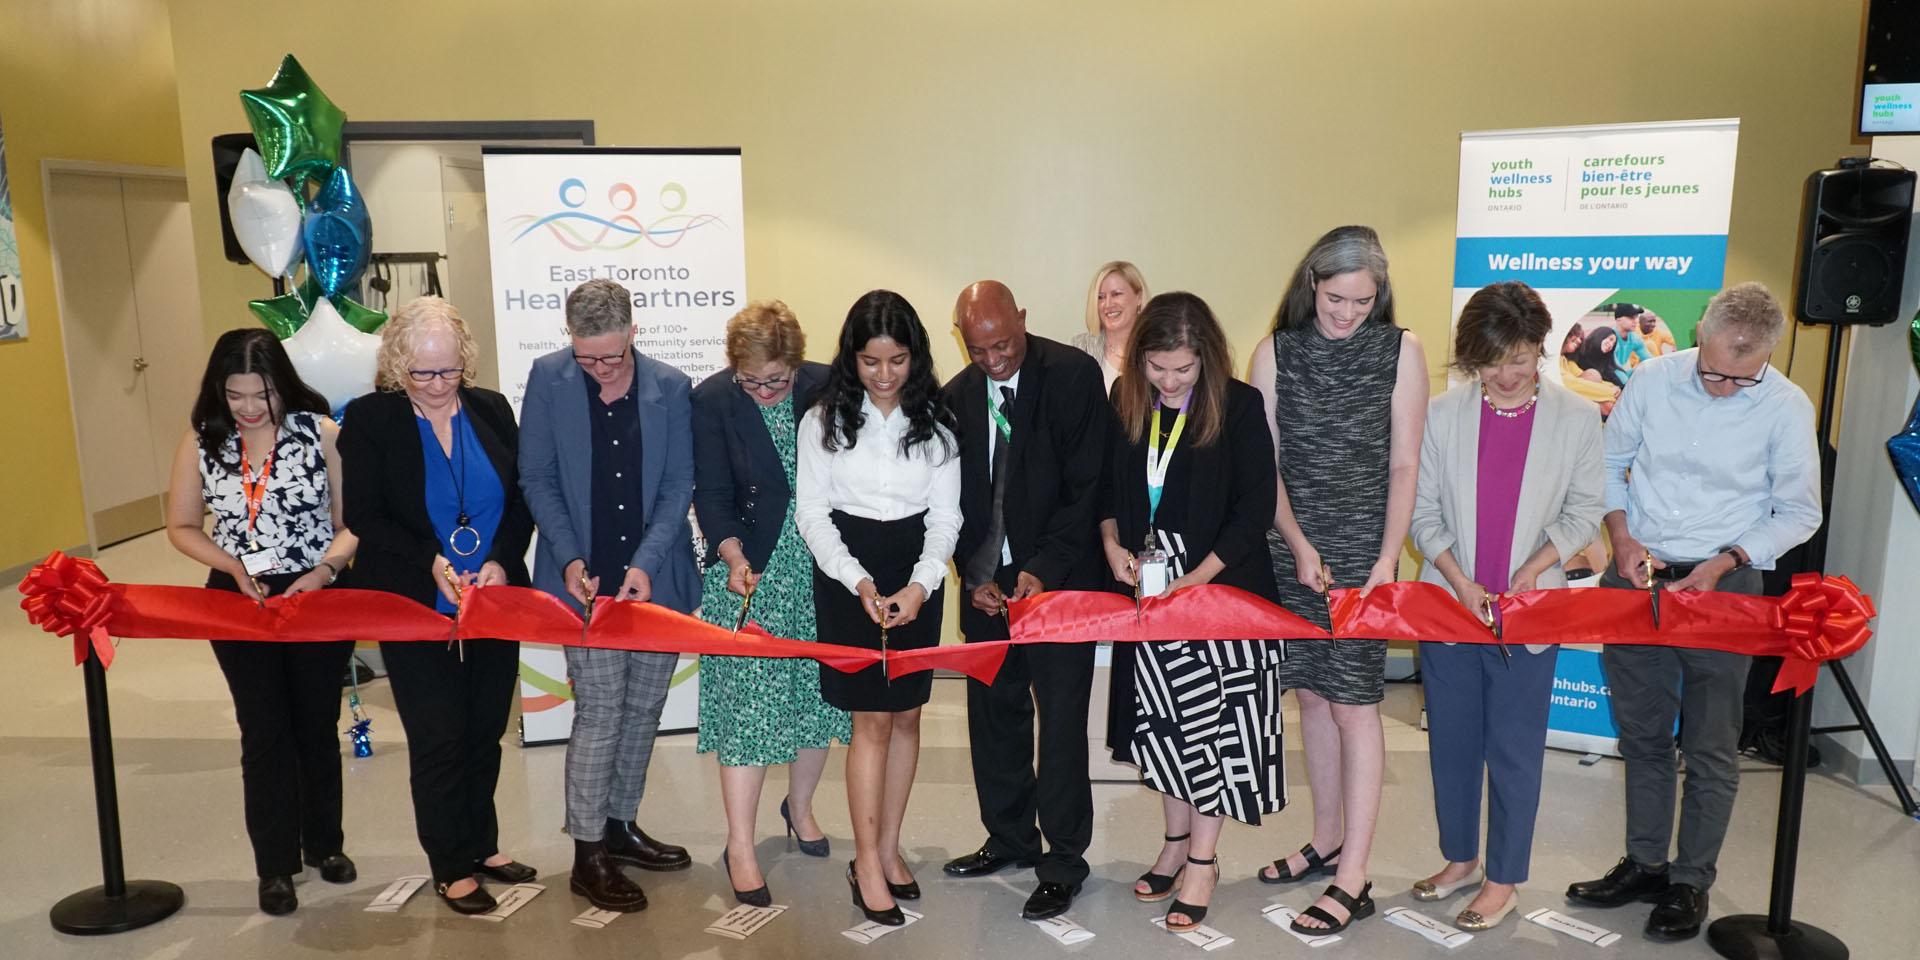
[(607, 360), (429, 376), (1711, 376), (777, 383)]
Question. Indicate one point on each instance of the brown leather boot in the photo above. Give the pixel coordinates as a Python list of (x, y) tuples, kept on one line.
[(598, 878)]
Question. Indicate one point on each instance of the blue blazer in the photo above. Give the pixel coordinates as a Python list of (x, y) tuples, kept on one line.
[(556, 475), (740, 487)]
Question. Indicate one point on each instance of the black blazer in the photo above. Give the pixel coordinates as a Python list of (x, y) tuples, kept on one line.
[(384, 476), (739, 487), (1061, 422), (1228, 495)]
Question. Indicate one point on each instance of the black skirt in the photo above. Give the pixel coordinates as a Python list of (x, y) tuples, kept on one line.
[(888, 549)]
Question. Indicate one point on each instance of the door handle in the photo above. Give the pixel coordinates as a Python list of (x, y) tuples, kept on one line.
[(139, 364)]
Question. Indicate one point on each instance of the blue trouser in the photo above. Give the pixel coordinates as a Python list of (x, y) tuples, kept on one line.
[(1486, 717)]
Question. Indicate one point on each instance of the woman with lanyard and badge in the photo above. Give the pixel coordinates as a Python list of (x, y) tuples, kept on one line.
[(260, 456), (430, 460), (1190, 500)]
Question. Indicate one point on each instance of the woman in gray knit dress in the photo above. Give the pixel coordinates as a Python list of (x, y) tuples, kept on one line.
[(1346, 393)]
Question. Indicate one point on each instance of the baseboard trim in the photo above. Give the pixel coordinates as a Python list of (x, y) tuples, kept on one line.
[(1836, 757), (12, 575)]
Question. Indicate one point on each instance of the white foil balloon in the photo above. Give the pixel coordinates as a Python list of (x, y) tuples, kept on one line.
[(333, 357), (265, 216)]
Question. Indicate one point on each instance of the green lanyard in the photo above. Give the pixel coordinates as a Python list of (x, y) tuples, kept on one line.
[(1158, 462), (999, 416)]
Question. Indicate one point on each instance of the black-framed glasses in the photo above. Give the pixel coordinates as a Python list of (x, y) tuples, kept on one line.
[(1713, 376), (604, 360), (777, 383), (445, 373)]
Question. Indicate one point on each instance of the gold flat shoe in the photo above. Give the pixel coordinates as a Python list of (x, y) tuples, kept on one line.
[(1471, 920), (1429, 891)]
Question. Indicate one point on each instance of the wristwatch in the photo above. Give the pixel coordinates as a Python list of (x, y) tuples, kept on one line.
[(1739, 556)]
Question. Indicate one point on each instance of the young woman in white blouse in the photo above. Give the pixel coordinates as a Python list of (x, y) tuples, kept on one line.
[(878, 502)]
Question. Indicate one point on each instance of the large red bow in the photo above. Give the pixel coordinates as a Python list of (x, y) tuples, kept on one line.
[(69, 597), (1825, 618)]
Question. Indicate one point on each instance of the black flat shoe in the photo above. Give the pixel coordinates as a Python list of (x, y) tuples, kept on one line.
[(757, 897), (1358, 908), (277, 897), (336, 869), (1049, 900), (812, 848), (1195, 913), (1316, 865), (1679, 914), (510, 872), (1159, 885), (982, 862), (479, 901), (1626, 882), (891, 916)]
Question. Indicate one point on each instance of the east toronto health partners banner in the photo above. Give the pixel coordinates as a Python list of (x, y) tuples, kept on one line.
[(1622, 229), (667, 224)]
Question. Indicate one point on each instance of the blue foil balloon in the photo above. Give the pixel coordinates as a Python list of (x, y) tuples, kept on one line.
[(338, 234), (1905, 445)]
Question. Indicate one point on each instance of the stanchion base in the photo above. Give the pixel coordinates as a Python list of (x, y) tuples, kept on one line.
[(91, 911), (1746, 937)]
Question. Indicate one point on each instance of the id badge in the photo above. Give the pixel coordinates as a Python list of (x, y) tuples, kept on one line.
[(1151, 566), (259, 562)]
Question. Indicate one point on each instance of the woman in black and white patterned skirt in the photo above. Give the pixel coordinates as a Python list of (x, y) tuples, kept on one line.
[(260, 456), (1346, 394), (1191, 478)]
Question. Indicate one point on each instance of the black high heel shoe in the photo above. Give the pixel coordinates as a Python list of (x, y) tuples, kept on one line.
[(757, 897), (1159, 885), (891, 916), (904, 891), (1195, 914), (812, 848)]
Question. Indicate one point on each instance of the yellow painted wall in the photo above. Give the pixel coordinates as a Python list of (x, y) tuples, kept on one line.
[(79, 80)]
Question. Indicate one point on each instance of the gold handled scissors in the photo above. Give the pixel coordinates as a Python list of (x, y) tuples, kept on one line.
[(459, 597), (1653, 589), (1490, 617), (586, 606), (746, 602)]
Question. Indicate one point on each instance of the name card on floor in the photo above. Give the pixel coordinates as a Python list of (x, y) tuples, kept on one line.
[(395, 895), (869, 931), (1428, 927), (1578, 929), (596, 918), (744, 921), (1282, 916), (1202, 936), (1064, 930), (515, 898)]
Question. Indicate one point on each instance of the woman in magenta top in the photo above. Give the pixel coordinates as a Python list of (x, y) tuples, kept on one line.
[(1510, 486)]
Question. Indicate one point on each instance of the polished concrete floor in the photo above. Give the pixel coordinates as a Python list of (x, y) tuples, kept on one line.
[(178, 753)]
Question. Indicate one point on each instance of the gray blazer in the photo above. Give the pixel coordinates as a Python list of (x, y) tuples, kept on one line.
[(556, 475), (1562, 493)]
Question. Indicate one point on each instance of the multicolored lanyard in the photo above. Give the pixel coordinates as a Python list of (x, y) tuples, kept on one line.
[(1158, 461)]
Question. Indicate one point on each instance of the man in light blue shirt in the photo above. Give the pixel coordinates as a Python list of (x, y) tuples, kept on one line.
[(1712, 472)]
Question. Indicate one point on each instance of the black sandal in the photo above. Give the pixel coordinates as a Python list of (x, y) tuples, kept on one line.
[(1195, 914), (1159, 885), (1316, 865), (1358, 908)]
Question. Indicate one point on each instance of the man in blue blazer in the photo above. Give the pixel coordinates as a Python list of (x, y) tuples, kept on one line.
[(606, 463)]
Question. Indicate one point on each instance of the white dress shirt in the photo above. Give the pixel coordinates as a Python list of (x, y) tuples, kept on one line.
[(1697, 473), (872, 480)]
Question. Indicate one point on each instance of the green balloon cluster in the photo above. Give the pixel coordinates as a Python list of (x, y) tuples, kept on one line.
[(285, 314)]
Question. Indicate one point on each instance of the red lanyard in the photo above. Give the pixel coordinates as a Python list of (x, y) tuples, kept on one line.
[(255, 488)]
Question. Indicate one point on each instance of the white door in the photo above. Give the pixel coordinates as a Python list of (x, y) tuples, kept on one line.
[(469, 263)]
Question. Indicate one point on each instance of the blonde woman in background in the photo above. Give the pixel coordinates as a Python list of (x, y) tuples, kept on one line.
[(1113, 305)]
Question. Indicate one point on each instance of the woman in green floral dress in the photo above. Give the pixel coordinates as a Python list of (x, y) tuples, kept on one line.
[(756, 712)]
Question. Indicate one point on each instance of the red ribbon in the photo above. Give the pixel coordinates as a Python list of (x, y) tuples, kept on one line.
[(1820, 619)]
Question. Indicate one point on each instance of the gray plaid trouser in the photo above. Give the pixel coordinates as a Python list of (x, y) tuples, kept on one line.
[(617, 696)]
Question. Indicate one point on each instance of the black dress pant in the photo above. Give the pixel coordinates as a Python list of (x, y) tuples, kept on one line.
[(1050, 682), (454, 712), (286, 700)]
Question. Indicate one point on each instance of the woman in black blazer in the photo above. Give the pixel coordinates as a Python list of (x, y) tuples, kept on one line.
[(756, 712), (1187, 428), (429, 474)]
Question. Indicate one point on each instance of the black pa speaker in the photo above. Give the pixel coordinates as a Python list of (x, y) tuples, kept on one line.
[(1853, 243), (227, 148)]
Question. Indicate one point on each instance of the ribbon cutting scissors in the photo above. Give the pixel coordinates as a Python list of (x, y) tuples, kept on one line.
[(586, 606), (1653, 589), (746, 602), (459, 597), (1326, 593), (1490, 616)]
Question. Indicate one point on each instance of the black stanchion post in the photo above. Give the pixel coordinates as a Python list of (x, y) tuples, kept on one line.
[(116, 905)]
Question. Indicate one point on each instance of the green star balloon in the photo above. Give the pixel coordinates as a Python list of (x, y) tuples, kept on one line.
[(283, 314), (297, 127), (363, 318)]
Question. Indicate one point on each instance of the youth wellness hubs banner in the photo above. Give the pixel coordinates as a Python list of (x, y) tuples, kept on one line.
[(1622, 229), (667, 224)]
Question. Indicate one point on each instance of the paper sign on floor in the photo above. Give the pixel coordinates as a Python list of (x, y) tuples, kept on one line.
[(744, 920), (1282, 916), (1064, 930), (1578, 929), (596, 918), (1202, 936), (396, 894), (1428, 927), (513, 899), (869, 931)]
